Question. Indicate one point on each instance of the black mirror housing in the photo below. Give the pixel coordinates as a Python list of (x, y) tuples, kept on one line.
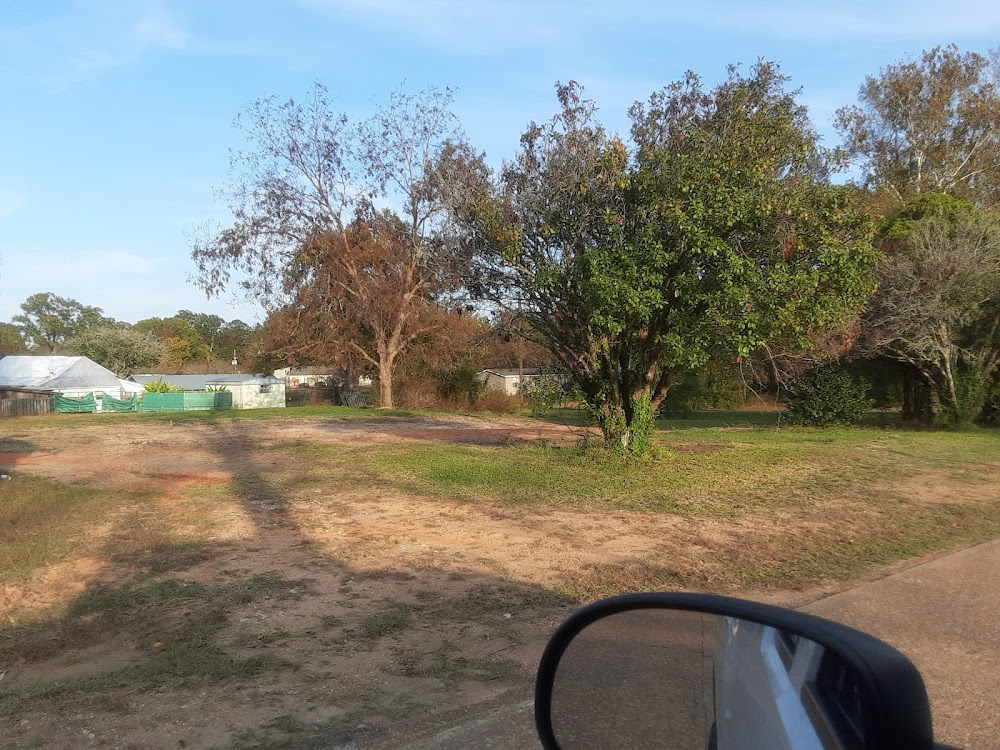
[(896, 712)]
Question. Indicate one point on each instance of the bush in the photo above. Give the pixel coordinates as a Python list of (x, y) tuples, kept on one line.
[(161, 386), (976, 398), (990, 415), (544, 393), (828, 396), (716, 385), (462, 382)]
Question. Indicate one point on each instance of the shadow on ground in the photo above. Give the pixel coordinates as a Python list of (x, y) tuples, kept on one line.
[(268, 641)]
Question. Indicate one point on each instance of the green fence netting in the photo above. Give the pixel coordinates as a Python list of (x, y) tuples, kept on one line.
[(109, 403), (84, 403), (162, 402), (186, 401)]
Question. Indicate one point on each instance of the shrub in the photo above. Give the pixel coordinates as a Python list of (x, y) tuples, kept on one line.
[(501, 403), (991, 411), (544, 393), (161, 386), (828, 395), (462, 382), (973, 393), (715, 385)]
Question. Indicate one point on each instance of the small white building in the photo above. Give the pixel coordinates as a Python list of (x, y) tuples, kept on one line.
[(251, 391), (308, 377), (509, 381)]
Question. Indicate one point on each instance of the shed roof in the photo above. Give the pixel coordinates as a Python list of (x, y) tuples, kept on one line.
[(187, 382), (255, 379), (506, 372), (201, 382), (53, 373)]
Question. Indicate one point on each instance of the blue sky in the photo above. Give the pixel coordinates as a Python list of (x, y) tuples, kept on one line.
[(117, 114)]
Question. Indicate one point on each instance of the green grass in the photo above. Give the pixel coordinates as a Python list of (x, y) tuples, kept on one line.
[(847, 487), (692, 420), (42, 521), (699, 472)]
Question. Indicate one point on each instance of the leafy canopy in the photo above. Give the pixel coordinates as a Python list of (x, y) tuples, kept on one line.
[(47, 320), (717, 230)]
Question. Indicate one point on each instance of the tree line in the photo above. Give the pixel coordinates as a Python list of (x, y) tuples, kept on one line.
[(50, 324), (717, 231), (718, 235)]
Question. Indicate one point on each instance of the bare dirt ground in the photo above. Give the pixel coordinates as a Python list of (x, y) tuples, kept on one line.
[(314, 616), (387, 611)]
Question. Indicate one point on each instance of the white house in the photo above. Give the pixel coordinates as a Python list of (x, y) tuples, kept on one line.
[(299, 377), (69, 376)]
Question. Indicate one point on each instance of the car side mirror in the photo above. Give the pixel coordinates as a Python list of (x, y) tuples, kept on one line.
[(701, 672)]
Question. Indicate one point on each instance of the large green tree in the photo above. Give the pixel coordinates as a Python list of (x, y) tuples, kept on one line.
[(929, 125), (47, 320), (182, 343), (121, 349), (718, 229), (208, 327), (11, 339)]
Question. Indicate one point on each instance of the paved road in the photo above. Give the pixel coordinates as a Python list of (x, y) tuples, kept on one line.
[(944, 614)]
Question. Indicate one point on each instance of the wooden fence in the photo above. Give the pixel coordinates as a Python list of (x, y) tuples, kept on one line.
[(26, 407)]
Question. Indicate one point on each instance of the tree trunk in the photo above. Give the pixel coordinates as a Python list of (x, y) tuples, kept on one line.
[(384, 387), (627, 430), (386, 362), (917, 402)]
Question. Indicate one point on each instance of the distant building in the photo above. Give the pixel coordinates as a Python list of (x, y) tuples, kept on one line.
[(509, 381), (249, 391), (311, 377), (307, 377)]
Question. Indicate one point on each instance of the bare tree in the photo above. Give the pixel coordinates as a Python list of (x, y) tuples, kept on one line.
[(307, 234), (938, 307)]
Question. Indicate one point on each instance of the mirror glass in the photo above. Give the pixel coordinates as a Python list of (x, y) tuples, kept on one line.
[(676, 680)]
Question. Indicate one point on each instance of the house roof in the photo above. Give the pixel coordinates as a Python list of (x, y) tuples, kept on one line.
[(201, 382), (54, 373), (507, 372), (257, 378), (130, 386), (310, 370), (187, 382)]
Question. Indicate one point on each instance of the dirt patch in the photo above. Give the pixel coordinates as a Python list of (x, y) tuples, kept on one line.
[(945, 488)]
